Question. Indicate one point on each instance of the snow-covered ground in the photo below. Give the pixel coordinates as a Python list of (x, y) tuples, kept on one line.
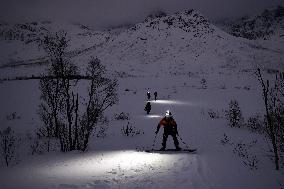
[(171, 60)]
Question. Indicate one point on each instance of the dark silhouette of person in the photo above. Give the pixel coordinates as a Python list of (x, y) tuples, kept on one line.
[(148, 107), (155, 94), (148, 95), (170, 128)]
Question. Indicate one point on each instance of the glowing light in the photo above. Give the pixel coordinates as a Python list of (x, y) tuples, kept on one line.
[(171, 102), (153, 116)]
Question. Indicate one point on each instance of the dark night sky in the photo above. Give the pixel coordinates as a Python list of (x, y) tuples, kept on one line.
[(105, 13)]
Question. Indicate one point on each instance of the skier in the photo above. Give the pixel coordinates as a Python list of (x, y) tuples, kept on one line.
[(170, 128), (148, 95), (155, 94), (148, 107)]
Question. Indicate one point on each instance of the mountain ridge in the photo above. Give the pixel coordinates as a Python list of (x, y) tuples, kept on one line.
[(264, 25)]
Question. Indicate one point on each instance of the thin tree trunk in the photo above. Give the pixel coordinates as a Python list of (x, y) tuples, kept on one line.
[(6, 152), (272, 135), (76, 123), (265, 90)]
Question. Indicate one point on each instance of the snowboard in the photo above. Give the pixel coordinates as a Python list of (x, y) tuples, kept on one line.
[(170, 151)]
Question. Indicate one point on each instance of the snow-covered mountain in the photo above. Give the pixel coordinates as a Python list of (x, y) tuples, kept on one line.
[(182, 41), (175, 42), (262, 26), (167, 40)]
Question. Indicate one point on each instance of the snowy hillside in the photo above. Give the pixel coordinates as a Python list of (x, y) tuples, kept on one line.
[(195, 67), (268, 24), (172, 41), (183, 40)]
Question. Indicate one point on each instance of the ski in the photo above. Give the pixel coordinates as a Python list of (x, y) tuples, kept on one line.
[(169, 151)]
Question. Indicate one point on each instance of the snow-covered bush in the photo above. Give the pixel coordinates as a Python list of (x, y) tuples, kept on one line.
[(8, 145), (234, 114)]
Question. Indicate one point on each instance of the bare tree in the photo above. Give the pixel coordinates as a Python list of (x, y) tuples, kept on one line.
[(58, 99), (101, 95), (61, 68), (60, 108), (273, 96)]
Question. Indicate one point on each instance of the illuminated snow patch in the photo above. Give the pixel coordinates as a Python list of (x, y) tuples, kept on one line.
[(100, 164)]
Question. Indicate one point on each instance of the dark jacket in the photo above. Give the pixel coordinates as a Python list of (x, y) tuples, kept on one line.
[(148, 107), (169, 124)]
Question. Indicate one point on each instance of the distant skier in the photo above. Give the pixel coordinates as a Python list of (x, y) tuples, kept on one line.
[(148, 107), (170, 128), (155, 94), (148, 95)]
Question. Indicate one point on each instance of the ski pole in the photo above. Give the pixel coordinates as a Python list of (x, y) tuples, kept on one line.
[(154, 142), (183, 142)]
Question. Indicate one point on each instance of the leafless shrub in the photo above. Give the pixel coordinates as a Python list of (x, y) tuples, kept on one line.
[(130, 130), (255, 124), (214, 114), (122, 116), (243, 151), (8, 145)]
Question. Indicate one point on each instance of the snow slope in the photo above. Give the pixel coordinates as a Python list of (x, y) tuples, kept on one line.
[(171, 55), (266, 25), (183, 40)]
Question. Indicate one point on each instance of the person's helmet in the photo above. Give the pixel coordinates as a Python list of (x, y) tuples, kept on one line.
[(168, 114)]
